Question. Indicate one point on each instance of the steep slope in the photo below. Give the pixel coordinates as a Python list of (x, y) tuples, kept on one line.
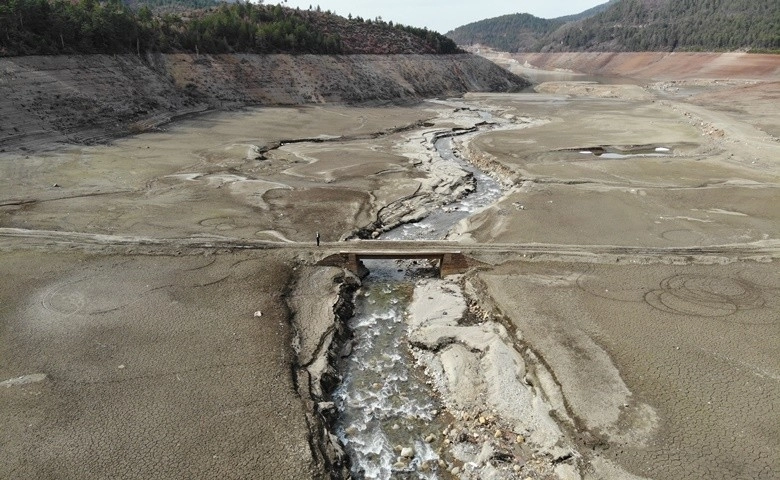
[(637, 25), (655, 66), (670, 25), (589, 12), (87, 98), (519, 32)]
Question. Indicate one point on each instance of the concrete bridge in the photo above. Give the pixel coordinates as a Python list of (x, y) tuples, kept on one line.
[(450, 263)]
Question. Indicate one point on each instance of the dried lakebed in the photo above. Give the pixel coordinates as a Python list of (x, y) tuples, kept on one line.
[(568, 408), (646, 287)]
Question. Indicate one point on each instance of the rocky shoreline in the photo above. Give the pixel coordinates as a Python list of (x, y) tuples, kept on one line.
[(321, 302)]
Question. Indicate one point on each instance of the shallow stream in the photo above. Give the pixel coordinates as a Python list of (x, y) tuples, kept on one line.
[(387, 410), (390, 418), (436, 225)]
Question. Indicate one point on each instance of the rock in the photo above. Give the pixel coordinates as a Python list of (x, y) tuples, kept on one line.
[(455, 470), (565, 471), (258, 314), (254, 152), (430, 438), (24, 380), (407, 452), (485, 454)]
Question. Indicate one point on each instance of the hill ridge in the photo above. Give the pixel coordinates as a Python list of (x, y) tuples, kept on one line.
[(50, 27), (637, 25)]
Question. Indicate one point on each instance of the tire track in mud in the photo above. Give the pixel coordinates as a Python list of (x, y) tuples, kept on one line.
[(706, 296)]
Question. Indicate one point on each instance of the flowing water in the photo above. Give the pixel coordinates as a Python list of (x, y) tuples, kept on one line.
[(438, 223), (385, 403), (390, 418)]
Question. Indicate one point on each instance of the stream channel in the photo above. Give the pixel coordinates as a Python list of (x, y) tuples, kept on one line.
[(390, 419)]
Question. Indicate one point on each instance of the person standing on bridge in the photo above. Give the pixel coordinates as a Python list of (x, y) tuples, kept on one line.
[(318, 239)]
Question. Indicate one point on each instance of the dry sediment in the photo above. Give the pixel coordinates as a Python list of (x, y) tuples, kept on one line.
[(627, 339), (502, 426), (630, 308), (647, 321), (148, 366)]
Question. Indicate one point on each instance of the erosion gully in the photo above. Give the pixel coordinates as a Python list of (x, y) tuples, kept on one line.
[(390, 419)]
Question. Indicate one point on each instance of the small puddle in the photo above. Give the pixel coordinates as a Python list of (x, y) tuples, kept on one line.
[(632, 152)]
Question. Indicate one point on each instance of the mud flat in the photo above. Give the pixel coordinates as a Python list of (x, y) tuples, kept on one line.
[(151, 284), (142, 366), (116, 252), (666, 371), (675, 349)]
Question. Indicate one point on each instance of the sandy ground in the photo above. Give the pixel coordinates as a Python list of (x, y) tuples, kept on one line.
[(147, 360)]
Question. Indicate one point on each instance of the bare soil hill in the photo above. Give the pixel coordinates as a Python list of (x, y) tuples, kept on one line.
[(91, 97)]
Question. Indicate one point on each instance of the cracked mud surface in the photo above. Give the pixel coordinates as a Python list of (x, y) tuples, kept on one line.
[(646, 286), (700, 384), (146, 374)]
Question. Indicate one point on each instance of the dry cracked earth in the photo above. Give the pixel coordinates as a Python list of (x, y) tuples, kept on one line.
[(634, 253)]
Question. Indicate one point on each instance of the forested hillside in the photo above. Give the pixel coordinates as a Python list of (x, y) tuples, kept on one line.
[(519, 32), (516, 32), (669, 25), (638, 25), (171, 5), (45, 27)]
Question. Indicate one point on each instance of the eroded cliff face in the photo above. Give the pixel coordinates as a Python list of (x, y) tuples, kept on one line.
[(89, 98)]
